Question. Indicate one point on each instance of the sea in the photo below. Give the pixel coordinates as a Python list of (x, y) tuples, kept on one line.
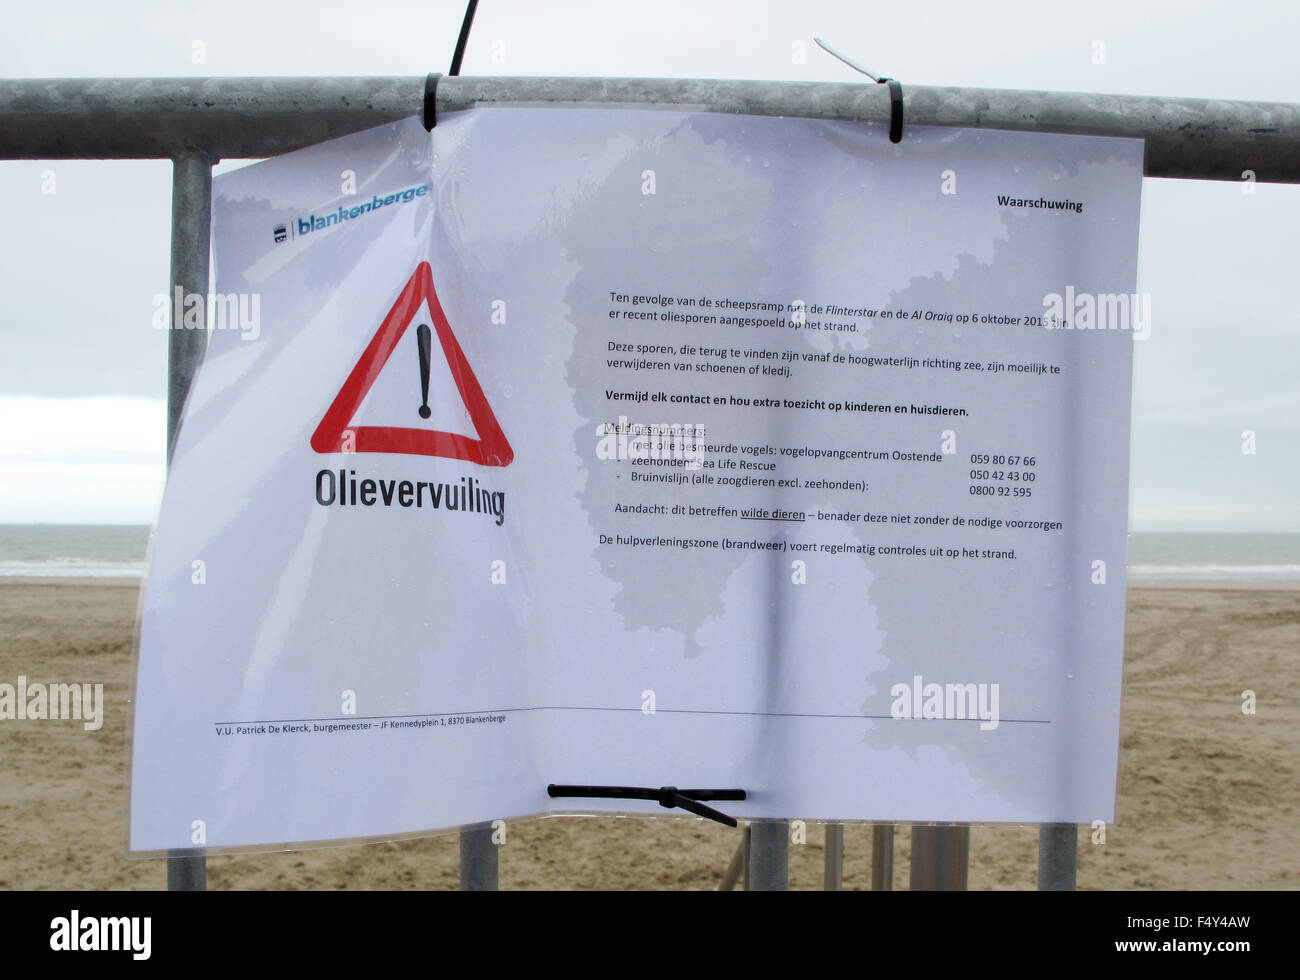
[(1190, 559), (73, 550)]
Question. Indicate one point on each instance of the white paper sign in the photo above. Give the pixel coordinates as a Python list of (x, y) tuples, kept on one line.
[(647, 448)]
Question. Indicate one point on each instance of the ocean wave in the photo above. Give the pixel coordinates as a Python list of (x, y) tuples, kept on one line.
[(71, 568), (1215, 573)]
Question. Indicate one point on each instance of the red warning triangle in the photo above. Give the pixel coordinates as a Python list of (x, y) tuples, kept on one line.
[(490, 449)]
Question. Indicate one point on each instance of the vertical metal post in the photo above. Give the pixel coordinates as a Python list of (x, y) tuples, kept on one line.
[(745, 843), (1058, 857), (191, 239), (187, 871), (833, 875), (769, 855), (882, 858), (478, 859), (940, 856)]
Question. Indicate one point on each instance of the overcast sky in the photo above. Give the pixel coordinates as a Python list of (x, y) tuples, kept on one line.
[(82, 371)]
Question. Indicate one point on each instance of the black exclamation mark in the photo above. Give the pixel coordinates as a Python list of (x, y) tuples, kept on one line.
[(425, 338)]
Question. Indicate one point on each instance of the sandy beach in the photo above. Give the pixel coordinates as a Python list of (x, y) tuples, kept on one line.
[(1207, 795)]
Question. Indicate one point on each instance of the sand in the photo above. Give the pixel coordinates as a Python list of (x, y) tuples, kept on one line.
[(1207, 795)]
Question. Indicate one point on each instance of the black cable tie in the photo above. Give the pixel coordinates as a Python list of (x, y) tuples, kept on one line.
[(463, 39), (895, 108), (669, 797), (431, 100), (431, 83), (895, 90)]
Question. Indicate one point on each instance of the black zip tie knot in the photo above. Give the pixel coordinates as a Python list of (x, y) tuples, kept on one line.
[(669, 797)]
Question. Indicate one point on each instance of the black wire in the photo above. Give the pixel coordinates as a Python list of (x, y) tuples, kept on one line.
[(461, 41)]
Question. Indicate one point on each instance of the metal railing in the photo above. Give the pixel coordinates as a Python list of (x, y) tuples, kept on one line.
[(197, 121)]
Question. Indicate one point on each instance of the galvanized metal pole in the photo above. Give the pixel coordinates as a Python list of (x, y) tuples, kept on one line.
[(882, 858), (769, 855), (191, 241), (1058, 857), (833, 873), (137, 118), (940, 856), (191, 238), (478, 859)]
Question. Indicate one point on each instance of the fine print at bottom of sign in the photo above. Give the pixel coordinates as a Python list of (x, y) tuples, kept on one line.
[(370, 725), (559, 480)]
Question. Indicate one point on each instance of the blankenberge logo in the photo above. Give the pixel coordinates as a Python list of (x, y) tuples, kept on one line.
[(305, 226)]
